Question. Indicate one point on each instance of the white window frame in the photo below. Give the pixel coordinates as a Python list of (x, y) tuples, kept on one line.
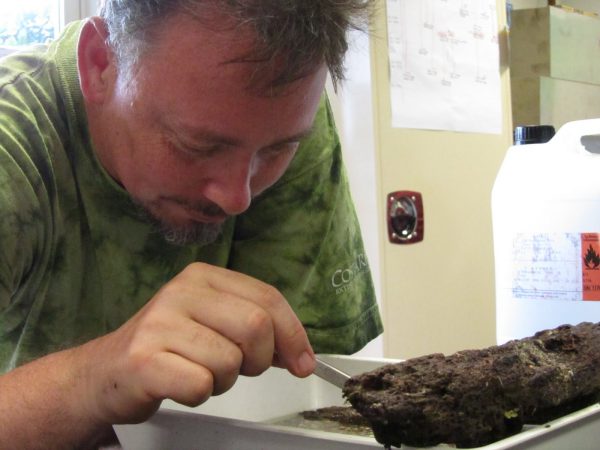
[(71, 10)]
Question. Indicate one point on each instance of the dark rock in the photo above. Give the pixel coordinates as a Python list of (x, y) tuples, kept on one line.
[(475, 397)]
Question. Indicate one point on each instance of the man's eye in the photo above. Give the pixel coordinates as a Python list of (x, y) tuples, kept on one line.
[(194, 151), (282, 148)]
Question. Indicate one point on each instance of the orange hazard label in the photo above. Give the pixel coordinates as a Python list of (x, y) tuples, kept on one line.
[(590, 267)]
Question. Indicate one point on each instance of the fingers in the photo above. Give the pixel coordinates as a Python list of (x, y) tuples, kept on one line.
[(208, 348), (291, 342), (247, 327), (171, 376), (165, 375)]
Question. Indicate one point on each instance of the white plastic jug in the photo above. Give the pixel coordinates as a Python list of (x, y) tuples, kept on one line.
[(546, 228)]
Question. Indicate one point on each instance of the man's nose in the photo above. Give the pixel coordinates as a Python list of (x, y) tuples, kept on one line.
[(230, 187)]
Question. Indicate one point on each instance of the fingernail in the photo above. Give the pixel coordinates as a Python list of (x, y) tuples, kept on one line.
[(306, 364)]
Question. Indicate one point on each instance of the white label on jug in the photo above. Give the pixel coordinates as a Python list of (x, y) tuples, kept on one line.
[(556, 266)]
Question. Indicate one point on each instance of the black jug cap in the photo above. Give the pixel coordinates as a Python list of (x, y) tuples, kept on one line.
[(533, 134)]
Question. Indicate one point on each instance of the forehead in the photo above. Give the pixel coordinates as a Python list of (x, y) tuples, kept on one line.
[(212, 53), (215, 42), (219, 42), (192, 75)]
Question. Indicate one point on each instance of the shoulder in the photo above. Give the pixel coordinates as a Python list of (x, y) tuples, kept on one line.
[(33, 135)]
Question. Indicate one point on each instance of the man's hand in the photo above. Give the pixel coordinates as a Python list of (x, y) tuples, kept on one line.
[(195, 336), (190, 341)]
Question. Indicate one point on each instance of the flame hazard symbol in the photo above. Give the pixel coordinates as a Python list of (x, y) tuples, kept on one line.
[(591, 259)]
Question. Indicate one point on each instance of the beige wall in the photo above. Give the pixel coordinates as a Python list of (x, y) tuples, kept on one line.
[(438, 295)]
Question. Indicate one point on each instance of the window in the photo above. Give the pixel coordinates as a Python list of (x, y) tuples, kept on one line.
[(28, 22)]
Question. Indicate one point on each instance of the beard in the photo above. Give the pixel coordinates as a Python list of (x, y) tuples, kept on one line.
[(197, 233)]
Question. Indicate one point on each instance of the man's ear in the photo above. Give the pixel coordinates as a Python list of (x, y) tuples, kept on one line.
[(95, 61)]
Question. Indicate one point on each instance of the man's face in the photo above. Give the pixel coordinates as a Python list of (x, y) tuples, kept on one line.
[(187, 137)]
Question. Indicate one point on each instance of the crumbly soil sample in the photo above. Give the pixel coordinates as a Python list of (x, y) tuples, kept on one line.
[(475, 397)]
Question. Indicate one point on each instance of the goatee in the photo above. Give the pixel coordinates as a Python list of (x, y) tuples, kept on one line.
[(197, 233)]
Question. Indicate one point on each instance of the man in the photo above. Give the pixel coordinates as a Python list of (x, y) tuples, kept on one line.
[(175, 212)]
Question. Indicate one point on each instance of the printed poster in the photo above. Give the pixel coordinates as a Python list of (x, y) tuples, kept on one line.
[(444, 65)]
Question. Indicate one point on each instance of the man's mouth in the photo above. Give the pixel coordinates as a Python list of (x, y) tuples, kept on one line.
[(192, 227), (202, 211), (201, 217)]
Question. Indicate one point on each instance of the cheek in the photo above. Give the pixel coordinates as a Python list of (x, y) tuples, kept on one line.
[(159, 161), (153, 170), (169, 176)]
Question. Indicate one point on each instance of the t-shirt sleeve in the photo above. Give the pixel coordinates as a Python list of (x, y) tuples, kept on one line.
[(24, 209), (20, 230), (303, 237)]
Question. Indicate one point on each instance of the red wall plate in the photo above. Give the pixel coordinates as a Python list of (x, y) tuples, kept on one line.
[(405, 217)]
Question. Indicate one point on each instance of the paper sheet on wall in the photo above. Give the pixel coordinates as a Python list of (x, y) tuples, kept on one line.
[(444, 65)]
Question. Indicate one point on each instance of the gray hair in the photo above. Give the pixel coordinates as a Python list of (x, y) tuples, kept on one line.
[(301, 33)]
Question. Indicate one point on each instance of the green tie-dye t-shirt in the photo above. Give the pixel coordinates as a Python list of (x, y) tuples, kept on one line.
[(76, 261)]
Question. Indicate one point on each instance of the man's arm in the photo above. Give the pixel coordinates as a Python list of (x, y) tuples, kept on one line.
[(42, 405), (192, 340)]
